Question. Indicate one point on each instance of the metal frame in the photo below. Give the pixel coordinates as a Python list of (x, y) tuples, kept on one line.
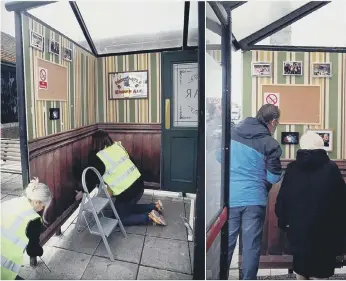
[(23, 136), (199, 228), (24, 6), (226, 140)]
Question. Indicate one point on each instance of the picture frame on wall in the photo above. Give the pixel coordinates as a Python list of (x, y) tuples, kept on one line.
[(36, 40), (261, 69), (294, 68), (321, 70), (128, 85), (290, 138), (67, 54), (54, 47), (327, 137)]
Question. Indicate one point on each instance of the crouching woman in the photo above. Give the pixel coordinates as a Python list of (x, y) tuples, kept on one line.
[(21, 227), (311, 208)]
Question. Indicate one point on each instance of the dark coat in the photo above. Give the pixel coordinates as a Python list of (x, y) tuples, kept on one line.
[(312, 202)]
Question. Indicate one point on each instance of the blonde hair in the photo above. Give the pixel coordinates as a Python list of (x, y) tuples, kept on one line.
[(38, 191), (311, 141)]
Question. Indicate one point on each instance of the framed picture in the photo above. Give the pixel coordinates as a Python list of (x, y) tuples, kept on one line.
[(128, 85), (54, 47), (54, 113), (327, 136), (36, 40), (293, 68), (289, 138), (67, 54), (262, 69), (321, 69)]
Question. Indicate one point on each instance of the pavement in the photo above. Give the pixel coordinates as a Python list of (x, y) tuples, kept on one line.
[(149, 252)]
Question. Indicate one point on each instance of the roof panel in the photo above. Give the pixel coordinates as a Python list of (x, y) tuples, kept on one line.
[(255, 15), (325, 27), (119, 26), (60, 16)]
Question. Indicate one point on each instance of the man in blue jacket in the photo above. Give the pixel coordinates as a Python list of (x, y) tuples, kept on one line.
[(255, 166)]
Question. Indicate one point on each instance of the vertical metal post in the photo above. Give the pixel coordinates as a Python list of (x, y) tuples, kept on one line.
[(226, 127), (21, 98), (199, 228)]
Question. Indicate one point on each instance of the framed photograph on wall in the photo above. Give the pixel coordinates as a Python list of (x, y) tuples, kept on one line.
[(327, 136), (288, 138), (128, 85), (294, 68), (54, 47), (262, 69), (36, 40), (67, 54), (321, 69)]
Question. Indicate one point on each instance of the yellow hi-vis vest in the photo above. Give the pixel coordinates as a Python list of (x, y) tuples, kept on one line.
[(120, 172), (15, 216)]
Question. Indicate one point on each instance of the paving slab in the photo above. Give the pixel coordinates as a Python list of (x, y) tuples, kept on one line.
[(175, 227), (166, 254), (63, 264), (149, 273), (8, 197), (233, 274), (135, 229), (83, 242), (125, 249), (12, 187), (26, 270), (104, 269)]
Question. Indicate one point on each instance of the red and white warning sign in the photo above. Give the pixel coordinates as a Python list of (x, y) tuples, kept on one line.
[(272, 98), (42, 78)]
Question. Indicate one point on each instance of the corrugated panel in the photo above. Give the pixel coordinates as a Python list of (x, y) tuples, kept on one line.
[(78, 111), (131, 111), (333, 93)]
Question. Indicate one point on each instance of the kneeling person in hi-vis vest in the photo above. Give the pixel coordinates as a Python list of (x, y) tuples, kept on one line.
[(124, 182), (21, 227)]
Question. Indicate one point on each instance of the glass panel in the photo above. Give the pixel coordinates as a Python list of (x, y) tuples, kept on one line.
[(185, 91), (117, 26), (263, 13), (236, 84), (192, 37), (66, 23), (213, 88), (329, 32)]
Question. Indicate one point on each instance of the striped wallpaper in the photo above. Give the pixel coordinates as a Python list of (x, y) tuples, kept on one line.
[(130, 111), (333, 93), (78, 110)]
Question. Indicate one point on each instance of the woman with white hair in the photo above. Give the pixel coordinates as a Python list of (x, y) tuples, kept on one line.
[(311, 208), (21, 227)]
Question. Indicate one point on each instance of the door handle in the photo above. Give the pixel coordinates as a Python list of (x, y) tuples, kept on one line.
[(168, 114)]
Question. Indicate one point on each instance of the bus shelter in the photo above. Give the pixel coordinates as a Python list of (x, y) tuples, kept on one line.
[(293, 54), (134, 70)]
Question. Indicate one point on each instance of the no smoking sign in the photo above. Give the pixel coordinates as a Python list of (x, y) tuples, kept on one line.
[(272, 98), (42, 78)]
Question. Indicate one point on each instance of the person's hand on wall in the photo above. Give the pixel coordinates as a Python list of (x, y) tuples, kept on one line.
[(79, 195)]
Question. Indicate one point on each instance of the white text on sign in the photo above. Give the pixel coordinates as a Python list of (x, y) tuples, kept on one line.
[(42, 78)]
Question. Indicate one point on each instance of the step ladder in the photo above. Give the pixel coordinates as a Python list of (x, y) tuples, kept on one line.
[(100, 225)]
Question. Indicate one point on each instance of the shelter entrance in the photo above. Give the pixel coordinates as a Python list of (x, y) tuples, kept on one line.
[(179, 121)]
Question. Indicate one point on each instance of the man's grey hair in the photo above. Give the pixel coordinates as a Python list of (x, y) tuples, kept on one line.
[(268, 113)]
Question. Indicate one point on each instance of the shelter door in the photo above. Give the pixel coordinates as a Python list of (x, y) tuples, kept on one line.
[(179, 121)]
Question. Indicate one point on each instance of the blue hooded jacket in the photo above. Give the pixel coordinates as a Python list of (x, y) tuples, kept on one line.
[(255, 163)]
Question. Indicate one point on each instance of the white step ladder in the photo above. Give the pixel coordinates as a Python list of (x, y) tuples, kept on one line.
[(101, 225)]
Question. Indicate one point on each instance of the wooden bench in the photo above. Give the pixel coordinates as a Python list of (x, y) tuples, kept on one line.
[(10, 156)]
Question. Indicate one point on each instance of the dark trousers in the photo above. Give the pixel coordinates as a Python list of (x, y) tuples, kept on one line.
[(19, 278), (251, 220), (132, 213)]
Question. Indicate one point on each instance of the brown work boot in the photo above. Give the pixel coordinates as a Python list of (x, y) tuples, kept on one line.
[(156, 218), (159, 207)]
